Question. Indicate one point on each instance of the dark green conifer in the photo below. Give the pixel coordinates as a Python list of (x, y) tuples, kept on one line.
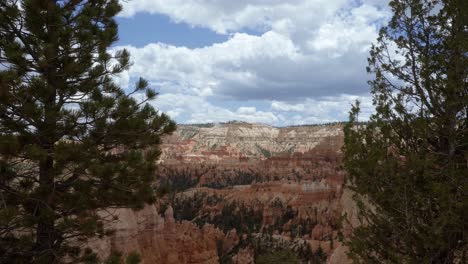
[(408, 164), (71, 141)]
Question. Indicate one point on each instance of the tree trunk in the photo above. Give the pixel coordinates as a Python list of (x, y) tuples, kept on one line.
[(46, 234)]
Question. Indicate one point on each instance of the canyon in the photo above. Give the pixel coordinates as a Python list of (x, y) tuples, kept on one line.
[(230, 192)]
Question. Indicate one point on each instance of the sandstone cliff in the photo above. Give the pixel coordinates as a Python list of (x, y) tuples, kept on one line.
[(158, 238), (238, 139), (228, 192)]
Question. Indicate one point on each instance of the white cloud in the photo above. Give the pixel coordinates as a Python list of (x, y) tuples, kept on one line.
[(282, 106), (198, 110), (246, 110), (270, 66), (195, 109), (326, 109), (231, 16), (312, 52), (349, 33), (207, 71)]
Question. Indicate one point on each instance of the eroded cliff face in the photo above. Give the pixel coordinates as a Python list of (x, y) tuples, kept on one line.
[(158, 238), (237, 139), (229, 192)]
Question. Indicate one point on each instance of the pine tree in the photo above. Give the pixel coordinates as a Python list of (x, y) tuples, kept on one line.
[(71, 141), (408, 163)]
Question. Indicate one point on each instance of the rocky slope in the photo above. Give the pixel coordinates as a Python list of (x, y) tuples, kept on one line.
[(238, 139), (159, 238), (231, 192)]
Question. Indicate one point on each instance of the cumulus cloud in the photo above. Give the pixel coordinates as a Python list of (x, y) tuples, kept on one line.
[(268, 67), (308, 63), (321, 110), (231, 16), (195, 109), (282, 106)]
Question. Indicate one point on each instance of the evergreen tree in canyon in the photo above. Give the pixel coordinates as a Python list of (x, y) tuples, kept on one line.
[(408, 164), (71, 141)]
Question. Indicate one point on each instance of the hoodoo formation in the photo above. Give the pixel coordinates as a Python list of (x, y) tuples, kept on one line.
[(233, 191)]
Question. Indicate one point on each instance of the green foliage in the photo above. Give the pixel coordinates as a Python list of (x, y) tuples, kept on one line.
[(229, 178), (236, 215), (116, 258), (319, 256), (233, 215), (266, 153), (175, 183), (265, 246), (283, 256), (289, 214), (189, 208), (71, 141), (277, 203), (133, 258), (408, 164)]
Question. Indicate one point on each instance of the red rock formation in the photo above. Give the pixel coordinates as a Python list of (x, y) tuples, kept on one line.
[(159, 239), (298, 166), (244, 256)]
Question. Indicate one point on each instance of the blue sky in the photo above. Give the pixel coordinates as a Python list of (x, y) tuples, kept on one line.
[(273, 62), (144, 28)]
